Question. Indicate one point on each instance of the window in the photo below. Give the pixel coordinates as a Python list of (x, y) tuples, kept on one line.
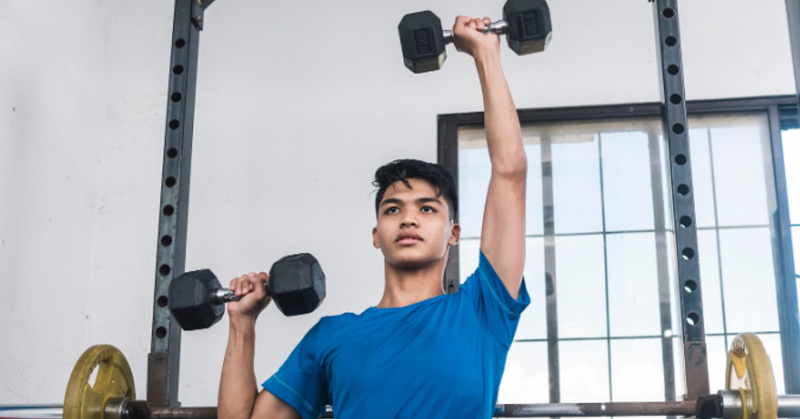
[(603, 324)]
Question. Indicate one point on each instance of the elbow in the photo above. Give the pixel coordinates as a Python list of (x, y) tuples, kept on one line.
[(515, 167)]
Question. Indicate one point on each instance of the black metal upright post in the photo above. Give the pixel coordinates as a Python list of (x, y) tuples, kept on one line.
[(164, 358), (676, 132)]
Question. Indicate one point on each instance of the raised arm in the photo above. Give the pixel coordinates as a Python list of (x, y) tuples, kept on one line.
[(238, 394), (503, 232)]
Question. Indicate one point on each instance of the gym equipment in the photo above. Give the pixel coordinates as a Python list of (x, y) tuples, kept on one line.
[(749, 394), (748, 374), (114, 381), (297, 285), (526, 24), (687, 253), (173, 214)]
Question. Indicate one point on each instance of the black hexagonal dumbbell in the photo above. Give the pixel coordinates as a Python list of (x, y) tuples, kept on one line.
[(526, 24), (296, 284)]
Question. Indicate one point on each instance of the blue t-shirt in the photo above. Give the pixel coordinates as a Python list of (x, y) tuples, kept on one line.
[(439, 358)]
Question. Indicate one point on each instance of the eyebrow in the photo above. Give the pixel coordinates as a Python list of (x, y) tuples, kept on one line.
[(424, 200), (427, 200)]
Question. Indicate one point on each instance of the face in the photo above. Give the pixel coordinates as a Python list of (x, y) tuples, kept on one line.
[(414, 227)]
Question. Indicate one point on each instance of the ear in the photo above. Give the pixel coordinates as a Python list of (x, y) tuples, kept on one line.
[(455, 234), (375, 241)]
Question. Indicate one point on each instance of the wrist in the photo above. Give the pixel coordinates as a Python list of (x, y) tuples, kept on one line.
[(487, 58), (242, 323)]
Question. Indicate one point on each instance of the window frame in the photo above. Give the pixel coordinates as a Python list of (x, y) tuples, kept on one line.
[(782, 114)]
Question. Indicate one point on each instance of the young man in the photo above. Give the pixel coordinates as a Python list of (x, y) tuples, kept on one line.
[(420, 353)]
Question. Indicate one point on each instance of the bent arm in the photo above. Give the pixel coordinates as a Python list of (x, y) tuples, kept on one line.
[(238, 394)]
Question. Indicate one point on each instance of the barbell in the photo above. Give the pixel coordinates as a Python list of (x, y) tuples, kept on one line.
[(749, 394)]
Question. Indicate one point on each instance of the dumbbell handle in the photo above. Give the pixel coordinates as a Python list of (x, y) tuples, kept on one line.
[(225, 295), (498, 27)]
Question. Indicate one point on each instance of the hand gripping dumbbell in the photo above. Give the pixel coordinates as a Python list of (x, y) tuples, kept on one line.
[(296, 284), (526, 24)]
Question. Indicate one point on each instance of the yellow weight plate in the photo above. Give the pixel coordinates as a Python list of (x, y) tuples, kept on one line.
[(114, 379), (750, 372)]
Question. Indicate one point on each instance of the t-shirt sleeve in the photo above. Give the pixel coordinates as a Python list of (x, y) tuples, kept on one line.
[(495, 307), (301, 381)]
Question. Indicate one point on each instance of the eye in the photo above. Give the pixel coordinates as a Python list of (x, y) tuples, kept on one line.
[(392, 210), (428, 209)]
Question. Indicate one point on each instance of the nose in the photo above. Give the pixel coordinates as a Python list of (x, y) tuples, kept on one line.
[(408, 220)]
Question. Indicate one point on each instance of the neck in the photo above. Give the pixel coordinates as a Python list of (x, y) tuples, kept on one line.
[(406, 286)]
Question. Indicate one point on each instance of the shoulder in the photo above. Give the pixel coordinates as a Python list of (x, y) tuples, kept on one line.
[(326, 331), (337, 320), (484, 272), (485, 284), (332, 325)]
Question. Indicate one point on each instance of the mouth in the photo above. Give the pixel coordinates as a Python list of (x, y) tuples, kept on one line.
[(408, 239)]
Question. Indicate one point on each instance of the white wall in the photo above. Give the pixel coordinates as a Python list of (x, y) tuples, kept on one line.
[(297, 104)]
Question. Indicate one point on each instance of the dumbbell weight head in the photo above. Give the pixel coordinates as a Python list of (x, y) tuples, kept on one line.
[(306, 289), (191, 300), (422, 41), (529, 27)]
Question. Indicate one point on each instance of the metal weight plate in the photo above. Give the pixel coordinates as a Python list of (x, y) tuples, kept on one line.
[(749, 371), (114, 379)]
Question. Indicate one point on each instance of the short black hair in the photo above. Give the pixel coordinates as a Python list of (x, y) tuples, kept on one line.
[(404, 169)]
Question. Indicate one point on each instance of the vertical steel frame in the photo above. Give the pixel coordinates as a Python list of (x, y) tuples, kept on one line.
[(164, 357), (665, 13)]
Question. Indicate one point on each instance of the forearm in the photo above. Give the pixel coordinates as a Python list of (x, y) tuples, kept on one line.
[(503, 132), (237, 389)]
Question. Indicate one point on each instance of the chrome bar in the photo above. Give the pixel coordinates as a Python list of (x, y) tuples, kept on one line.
[(789, 406), (42, 411), (597, 409)]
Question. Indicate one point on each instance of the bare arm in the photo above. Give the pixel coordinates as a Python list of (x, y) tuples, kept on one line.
[(503, 232), (238, 394)]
